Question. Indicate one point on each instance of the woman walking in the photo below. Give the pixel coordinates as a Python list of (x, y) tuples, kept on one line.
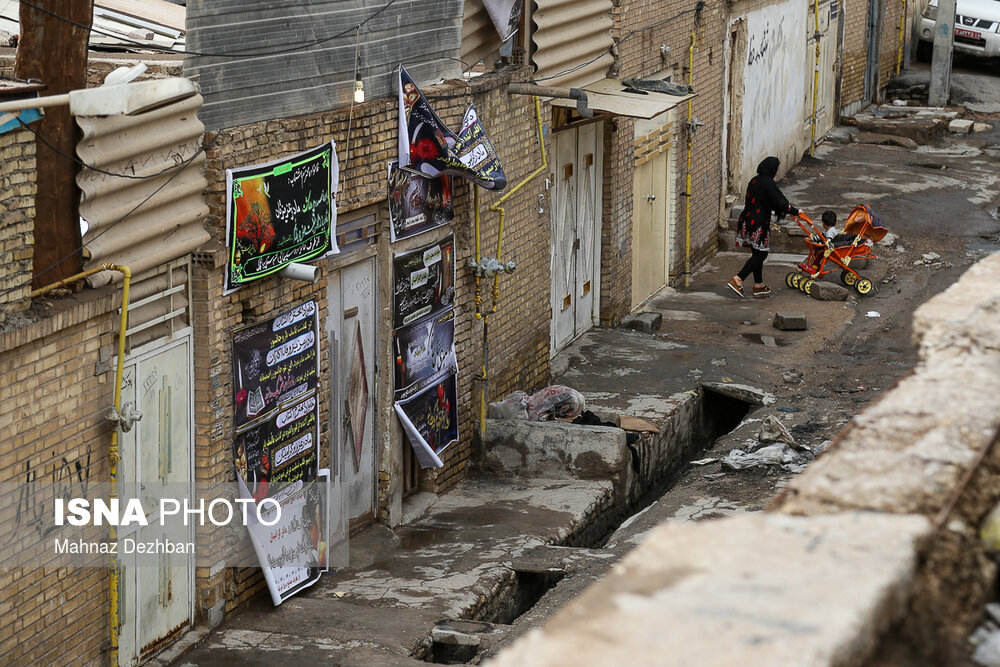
[(754, 228)]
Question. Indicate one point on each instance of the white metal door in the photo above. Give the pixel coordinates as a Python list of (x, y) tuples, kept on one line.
[(826, 92), (351, 295), (651, 228), (576, 232), (156, 594)]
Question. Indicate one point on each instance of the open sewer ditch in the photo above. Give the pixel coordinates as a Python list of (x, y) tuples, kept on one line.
[(714, 415)]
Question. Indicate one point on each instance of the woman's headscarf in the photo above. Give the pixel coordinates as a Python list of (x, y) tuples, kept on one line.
[(769, 166)]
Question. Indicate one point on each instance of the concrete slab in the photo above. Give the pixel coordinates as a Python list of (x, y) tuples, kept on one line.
[(553, 450), (756, 576)]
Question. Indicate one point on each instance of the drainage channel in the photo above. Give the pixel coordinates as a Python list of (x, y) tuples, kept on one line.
[(713, 415)]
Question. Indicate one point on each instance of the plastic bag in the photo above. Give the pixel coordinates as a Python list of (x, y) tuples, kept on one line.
[(556, 401)]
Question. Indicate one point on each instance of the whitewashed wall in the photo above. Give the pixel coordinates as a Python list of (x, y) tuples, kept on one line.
[(777, 64)]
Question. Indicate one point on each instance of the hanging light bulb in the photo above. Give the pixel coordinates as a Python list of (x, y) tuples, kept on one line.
[(359, 89)]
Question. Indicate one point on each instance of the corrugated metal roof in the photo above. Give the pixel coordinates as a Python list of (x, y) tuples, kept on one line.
[(302, 77), (480, 40), (169, 225), (572, 40)]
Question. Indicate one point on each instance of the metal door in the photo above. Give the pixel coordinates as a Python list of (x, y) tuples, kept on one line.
[(872, 66), (351, 323), (826, 92), (576, 232), (651, 228), (156, 594)]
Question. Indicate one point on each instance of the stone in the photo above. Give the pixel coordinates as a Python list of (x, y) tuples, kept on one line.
[(981, 127), (843, 134), (790, 321), (822, 290), (930, 257), (885, 140), (645, 322), (888, 240), (959, 126), (741, 392)]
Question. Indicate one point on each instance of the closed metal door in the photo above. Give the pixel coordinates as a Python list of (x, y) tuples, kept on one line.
[(651, 228)]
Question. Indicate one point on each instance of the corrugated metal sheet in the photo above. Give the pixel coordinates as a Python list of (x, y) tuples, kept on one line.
[(169, 225), (298, 78), (480, 41), (572, 41)]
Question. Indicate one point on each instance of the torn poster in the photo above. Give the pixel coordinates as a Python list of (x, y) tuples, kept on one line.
[(430, 420), (428, 148), (506, 16)]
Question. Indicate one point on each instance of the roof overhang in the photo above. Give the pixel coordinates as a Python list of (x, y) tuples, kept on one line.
[(612, 96)]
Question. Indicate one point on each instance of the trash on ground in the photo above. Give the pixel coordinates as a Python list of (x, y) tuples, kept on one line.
[(713, 476), (872, 313), (704, 462), (630, 423), (772, 430), (556, 401), (787, 409), (778, 454)]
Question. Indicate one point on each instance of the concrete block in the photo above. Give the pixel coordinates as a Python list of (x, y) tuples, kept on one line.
[(981, 127), (790, 321), (959, 126), (645, 322), (736, 211), (843, 134), (554, 449), (740, 590), (215, 615), (885, 140), (827, 291)]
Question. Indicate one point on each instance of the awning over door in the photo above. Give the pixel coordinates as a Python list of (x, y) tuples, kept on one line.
[(611, 96)]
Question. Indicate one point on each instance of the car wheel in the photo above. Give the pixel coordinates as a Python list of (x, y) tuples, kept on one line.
[(925, 51)]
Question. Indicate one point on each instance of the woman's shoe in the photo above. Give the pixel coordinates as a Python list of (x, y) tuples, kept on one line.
[(736, 288), (760, 292)]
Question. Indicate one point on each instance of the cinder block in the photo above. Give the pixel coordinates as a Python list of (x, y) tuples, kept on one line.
[(790, 321)]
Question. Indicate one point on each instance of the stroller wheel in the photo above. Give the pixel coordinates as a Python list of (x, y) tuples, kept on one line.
[(796, 280), (848, 278), (790, 277), (863, 286), (807, 285)]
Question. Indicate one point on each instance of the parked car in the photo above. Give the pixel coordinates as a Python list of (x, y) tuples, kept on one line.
[(977, 28)]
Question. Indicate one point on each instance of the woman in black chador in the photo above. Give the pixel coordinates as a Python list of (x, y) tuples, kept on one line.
[(754, 229)]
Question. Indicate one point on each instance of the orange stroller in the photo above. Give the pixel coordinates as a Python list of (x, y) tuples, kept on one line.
[(861, 232)]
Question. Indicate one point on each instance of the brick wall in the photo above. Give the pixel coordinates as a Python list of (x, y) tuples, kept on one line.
[(855, 48), (54, 394), (641, 27), (17, 182)]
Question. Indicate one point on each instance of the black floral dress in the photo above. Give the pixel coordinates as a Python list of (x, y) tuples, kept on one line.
[(763, 197)]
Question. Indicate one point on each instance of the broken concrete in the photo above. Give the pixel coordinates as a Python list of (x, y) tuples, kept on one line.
[(914, 126), (885, 139), (554, 449), (823, 290), (645, 322), (960, 126), (789, 321), (740, 392)]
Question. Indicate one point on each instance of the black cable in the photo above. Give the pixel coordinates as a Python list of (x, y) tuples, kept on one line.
[(153, 47), (184, 165), (88, 166)]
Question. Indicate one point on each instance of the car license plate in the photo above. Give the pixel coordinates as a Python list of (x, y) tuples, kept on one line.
[(962, 32)]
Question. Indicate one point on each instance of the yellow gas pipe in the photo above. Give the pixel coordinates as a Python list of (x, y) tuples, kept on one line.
[(113, 455), (687, 189), (899, 49), (816, 38), (496, 207)]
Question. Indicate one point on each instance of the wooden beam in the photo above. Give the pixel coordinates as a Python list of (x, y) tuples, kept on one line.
[(54, 51)]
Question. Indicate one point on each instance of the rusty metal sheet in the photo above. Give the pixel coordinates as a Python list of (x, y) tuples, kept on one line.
[(572, 41), (158, 147)]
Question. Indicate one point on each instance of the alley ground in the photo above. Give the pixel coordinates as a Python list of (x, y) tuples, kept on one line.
[(488, 535)]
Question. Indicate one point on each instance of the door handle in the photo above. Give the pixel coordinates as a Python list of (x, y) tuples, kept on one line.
[(650, 198)]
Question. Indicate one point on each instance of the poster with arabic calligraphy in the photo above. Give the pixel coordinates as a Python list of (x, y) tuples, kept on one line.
[(274, 362), (425, 350), (280, 212), (423, 282), (417, 204), (430, 419)]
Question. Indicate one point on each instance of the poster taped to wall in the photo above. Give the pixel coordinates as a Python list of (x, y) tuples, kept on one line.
[(430, 420), (280, 212), (274, 362), (428, 148), (278, 454), (417, 204), (423, 282), (425, 351), (505, 15), (293, 545)]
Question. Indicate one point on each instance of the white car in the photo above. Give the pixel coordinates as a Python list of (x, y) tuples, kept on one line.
[(977, 28)]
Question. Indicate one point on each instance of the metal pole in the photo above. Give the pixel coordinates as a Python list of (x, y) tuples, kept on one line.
[(944, 37)]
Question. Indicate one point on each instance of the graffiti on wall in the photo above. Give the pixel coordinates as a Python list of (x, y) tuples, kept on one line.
[(777, 65)]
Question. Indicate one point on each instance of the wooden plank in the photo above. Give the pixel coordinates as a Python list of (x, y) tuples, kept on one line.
[(630, 423), (156, 11)]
